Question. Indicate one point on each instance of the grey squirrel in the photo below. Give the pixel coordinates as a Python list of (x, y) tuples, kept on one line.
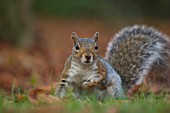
[(135, 55)]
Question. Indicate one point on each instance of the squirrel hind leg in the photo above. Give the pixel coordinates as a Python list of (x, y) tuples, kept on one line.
[(135, 85), (133, 90)]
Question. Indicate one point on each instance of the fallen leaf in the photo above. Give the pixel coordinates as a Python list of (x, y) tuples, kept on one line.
[(38, 96)]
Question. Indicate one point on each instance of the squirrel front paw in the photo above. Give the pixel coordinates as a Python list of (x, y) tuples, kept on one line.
[(86, 84), (91, 82)]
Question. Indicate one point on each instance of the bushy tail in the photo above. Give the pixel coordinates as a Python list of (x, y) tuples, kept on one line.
[(141, 54)]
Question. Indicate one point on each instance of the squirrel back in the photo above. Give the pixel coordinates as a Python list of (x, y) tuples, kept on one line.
[(140, 54)]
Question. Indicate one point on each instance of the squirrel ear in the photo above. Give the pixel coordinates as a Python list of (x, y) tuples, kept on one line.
[(74, 36), (96, 36)]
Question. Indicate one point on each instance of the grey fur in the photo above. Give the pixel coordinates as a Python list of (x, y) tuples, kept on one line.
[(76, 74)]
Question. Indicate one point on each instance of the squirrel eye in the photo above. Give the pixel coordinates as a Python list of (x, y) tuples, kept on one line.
[(77, 47), (96, 47)]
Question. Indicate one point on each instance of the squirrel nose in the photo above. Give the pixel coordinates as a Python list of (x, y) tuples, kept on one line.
[(88, 57)]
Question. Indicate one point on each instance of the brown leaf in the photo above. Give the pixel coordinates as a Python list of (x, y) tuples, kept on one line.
[(38, 96)]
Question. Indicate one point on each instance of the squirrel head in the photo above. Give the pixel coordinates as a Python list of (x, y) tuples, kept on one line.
[(85, 49)]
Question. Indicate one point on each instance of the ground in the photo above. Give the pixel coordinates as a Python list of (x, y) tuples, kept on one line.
[(140, 104), (23, 69)]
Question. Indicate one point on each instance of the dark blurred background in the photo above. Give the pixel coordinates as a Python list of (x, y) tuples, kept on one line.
[(35, 34)]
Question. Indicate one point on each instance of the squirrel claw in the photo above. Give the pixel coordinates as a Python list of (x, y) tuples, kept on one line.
[(89, 83), (85, 83)]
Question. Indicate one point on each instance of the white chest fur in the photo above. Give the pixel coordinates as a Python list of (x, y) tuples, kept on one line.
[(78, 72)]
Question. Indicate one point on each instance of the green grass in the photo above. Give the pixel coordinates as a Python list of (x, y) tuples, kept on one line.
[(139, 104)]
